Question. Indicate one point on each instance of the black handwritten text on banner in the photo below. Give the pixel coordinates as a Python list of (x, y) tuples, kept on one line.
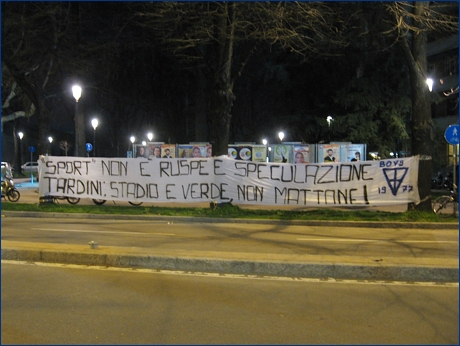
[(223, 179)]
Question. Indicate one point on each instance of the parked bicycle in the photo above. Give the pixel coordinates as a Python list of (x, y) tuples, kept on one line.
[(447, 205)]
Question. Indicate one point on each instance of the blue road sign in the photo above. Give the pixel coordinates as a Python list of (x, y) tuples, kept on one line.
[(89, 147), (32, 149), (452, 134)]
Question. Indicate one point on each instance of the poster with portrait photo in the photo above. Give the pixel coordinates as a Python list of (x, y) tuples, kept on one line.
[(198, 151), (301, 154), (142, 151), (328, 153), (353, 152), (185, 150), (168, 151), (209, 151), (154, 151)]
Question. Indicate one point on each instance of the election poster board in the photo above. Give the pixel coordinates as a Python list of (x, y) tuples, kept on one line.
[(154, 150), (240, 152), (328, 153), (185, 150), (352, 152), (209, 150), (282, 153), (141, 151), (222, 179), (168, 151), (195, 149), (259, 153), (302, 154)]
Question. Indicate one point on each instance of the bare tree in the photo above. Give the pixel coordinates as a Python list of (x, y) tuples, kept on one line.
[(219, 38), (32, 34), (412, 24)]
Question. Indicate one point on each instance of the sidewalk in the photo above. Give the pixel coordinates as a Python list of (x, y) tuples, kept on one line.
[(396, 268)]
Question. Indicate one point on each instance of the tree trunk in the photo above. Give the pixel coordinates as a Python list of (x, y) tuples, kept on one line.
[(422, 123), (222, 95), (43, 129), (80, 133)]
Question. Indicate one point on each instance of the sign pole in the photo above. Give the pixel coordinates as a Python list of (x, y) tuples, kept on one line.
[(452, 136), (455, 164), (31, 173)]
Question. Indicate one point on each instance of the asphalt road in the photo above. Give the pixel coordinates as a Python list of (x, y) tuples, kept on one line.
[(84, 305), (320, 250), (175, 236)]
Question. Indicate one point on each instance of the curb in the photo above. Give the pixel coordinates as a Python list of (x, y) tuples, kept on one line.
[(241, 267), (365, 224)]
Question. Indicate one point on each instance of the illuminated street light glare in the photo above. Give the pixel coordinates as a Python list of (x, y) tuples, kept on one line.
[(76, 91), (50, 139), (144, 143), (21, 135), (264, 141), (429, 82), (329, 120), (150, 136), (94, 123), (281, 136), (132, 139)]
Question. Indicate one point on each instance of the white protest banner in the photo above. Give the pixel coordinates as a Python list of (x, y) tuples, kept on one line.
[(221, 179)]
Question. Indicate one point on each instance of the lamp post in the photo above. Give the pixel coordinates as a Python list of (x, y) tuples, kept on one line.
[(94, 122), (150, 136), (264, 142), (21, 136), (76, 92), (329, 120), (50, 139), (132, 139)]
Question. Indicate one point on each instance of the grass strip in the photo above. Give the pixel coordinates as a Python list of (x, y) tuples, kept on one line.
[(232, 211)]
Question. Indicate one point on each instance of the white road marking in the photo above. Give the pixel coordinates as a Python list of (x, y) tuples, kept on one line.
[(108, 232), (236, 276), (379, 241)]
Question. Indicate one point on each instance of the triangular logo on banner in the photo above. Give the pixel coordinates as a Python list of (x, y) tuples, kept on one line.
[(395, 177)]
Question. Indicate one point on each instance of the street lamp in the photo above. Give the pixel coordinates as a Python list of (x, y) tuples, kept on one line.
[(21, 136), (429, 81), (264, 142), (50, 139), (94, 122), (150, 136), (329, 120), (132, 139), (281, 136), (76, 91)]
